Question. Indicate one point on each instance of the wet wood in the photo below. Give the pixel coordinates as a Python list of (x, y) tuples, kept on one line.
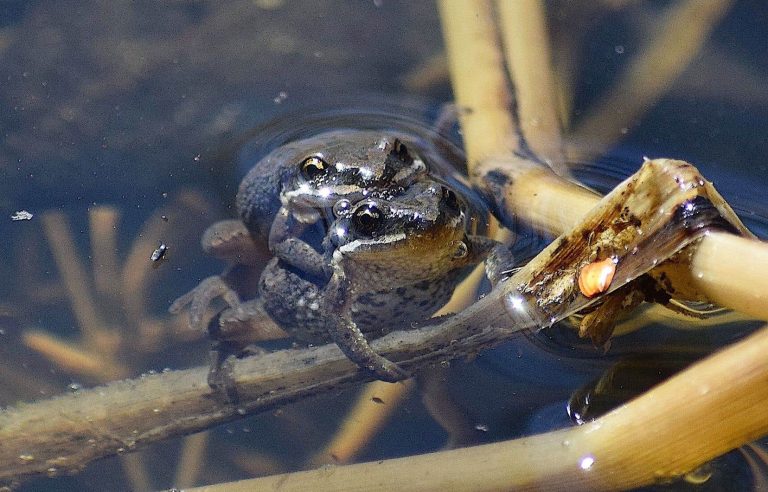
[(627, 448)]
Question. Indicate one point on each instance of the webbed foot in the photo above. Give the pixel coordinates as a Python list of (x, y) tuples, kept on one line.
[(199, 298)]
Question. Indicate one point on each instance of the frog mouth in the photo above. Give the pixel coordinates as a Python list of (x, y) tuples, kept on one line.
[(323, 197)]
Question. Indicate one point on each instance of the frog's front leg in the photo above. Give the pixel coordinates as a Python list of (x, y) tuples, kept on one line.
[(199, 298), (346, 334), (285, 244), (228, 240)]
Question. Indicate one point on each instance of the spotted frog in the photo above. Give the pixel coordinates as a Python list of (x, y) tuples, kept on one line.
[(369, 232)]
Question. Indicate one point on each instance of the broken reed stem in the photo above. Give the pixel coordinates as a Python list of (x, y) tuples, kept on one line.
[(537, 195), (679, 38), (526, 46), (628, 447)]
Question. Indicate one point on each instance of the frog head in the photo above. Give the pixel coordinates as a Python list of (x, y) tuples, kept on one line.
[(348, 164), (420, 234)]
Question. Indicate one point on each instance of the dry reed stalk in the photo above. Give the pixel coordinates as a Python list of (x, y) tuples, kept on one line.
[(479, 83), (372, 409), (73, 358), (136, 472), (680, 36), (629, 447), (526, 46), (191, 462), (103, 228), (75, 280)]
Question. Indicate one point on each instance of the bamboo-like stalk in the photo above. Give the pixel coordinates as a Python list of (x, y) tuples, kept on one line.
[(629, 447), (526, 46), (680, 36)]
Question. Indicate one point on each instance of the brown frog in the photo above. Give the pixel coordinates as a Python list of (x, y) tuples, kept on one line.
[(370, 231)]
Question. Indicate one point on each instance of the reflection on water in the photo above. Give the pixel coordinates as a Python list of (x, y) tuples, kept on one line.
[(123, 128)]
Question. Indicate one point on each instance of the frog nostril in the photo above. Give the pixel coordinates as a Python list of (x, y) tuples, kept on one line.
[(450, 198), (367, 220), (312, 167)]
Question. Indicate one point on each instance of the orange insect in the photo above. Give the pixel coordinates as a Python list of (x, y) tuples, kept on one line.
[(596, 277)]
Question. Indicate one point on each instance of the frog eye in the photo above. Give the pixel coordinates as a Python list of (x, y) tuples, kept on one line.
[(312, 167), (367, 220)]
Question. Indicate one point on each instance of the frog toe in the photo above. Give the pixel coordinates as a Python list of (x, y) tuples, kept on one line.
[(388, 371), (199, 298)]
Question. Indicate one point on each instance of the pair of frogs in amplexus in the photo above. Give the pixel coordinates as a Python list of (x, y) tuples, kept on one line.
[(369, 231)]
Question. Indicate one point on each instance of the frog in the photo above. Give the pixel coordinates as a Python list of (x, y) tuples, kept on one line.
[(369, 231)]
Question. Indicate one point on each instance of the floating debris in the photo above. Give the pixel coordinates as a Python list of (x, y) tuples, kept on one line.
[(159, 253), (22, 215)]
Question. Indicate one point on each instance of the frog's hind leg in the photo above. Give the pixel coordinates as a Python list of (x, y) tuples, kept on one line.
[(234, 332), (347, 335)]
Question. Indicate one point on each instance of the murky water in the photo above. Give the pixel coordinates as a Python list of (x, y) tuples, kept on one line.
[(124, 126)]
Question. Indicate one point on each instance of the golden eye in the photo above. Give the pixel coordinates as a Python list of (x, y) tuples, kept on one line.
[(596, 277), (312, 167)]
